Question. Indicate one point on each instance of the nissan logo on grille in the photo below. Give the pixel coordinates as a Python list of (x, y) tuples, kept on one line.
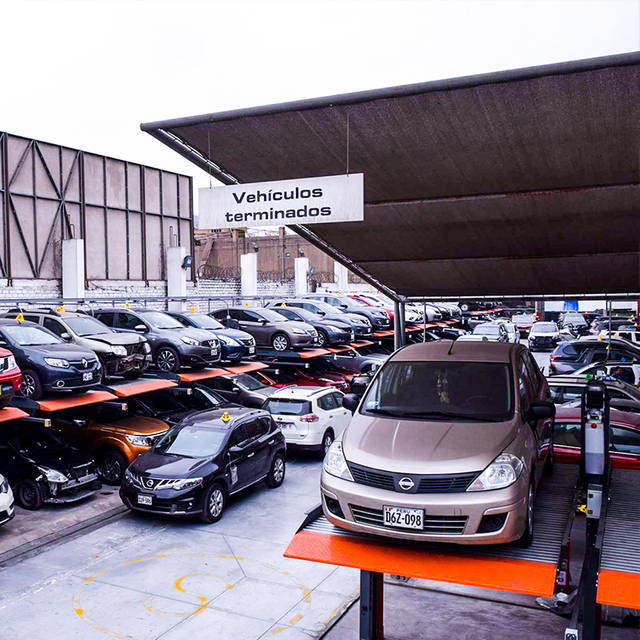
[(406, 484), (149, 483)]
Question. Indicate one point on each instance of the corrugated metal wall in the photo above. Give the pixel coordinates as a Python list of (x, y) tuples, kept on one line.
[(126, 212)]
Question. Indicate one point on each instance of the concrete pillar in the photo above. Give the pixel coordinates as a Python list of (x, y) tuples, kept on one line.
[(73, 268), (342, 276), (249, 267), (176, 276), (301, 268)]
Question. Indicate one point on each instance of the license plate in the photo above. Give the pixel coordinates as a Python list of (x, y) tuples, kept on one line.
[(144, 500), (288, 425), (7, 388), (252, 350), (214, 352), (403, 518), (87, 376)]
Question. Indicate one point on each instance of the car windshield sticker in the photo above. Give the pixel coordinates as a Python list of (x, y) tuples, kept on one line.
[(442, 387), (234, 474)]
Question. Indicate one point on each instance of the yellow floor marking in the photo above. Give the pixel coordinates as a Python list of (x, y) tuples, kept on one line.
[(295, 619)]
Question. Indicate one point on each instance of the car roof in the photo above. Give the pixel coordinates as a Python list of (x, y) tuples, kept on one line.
[(213, 418), (438, 351), (617, 416), (300, 393), (13, 322)]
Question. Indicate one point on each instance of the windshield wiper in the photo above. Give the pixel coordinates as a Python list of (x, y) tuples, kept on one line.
[(386, 412), (444, 414)]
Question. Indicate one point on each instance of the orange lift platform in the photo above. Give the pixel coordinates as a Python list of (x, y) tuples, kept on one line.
[(538, 570), (139, 386), (59, 403), (12, 413)]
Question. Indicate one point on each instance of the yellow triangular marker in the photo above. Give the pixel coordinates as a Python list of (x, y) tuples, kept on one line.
[(225, 417), (127, 305), (60, 309), (20, 317), (192, 309)]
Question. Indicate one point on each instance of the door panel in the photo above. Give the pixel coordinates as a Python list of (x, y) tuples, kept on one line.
[(241, 464), (258, 437)]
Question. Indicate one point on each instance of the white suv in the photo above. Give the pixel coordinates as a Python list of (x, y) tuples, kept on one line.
[(310, 417), (7, 509)]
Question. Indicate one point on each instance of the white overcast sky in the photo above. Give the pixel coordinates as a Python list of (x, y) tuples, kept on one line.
[(86, 74)]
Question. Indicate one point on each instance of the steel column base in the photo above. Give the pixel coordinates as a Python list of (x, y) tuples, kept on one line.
[(371, 605)]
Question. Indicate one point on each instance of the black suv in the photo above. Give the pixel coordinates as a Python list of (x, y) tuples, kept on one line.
[(571, 356), (172, 345), (120, 354), (47, 362), (205, 459), (41, 468)]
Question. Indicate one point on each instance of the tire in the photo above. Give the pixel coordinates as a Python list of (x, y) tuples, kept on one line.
[(111, 465), (548, 465), (214, 504), (323, 338), (526, 538), (29, 495), (280, 342), (167, 359), (464, 307), (327, 441), (277, 472), (31, 385)]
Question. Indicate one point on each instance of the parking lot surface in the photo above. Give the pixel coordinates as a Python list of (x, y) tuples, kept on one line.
[(144, 577)]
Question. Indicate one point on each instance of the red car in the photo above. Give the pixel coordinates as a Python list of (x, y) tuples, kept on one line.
[(282, 376), (10, 377), (624, 437), (371, 303)]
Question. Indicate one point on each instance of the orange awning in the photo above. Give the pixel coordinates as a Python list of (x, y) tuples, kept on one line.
[(68, 402)]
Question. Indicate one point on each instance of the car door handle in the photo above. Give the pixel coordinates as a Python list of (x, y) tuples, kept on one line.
[(251, 455), (271, 441)]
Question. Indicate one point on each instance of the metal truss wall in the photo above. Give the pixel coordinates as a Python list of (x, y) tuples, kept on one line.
[(127, 213)]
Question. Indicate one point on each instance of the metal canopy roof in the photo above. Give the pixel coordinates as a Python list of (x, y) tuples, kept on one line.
[(523, 182)]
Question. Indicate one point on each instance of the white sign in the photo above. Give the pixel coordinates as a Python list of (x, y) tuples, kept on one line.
[(275, 204)]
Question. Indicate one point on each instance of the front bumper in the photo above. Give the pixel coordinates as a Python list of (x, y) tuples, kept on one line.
[(192, 355), (442, 510), (70, 379), (73, 491), (302, 341), (231, 353), (7, 510), (117, 365), (342, 337), (165, 501), (543, 343)]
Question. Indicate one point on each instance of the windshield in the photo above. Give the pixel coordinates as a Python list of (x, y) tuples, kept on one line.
[(352, 302), (31, 336), (192, 442), (522, 318), (545, 327), (206, 322), (161, 320), (487, 330), (270, 315), (287, 407), (442, 390), (248, 383), (28, 440), (574, 317), (87, 326), (325, 307)]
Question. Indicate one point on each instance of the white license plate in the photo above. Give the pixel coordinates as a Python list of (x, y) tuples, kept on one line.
[(87, 376), (252, 349), (214, 352), (144, 500), (289, 426), (403, 518)]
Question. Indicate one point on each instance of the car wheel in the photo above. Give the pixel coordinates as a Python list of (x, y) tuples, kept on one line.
[(280, 342), (464, 307), (111, 466), (167, 359), (31, 386), (323, 338), (527, 537), (277, 472), (327, 441), (29, 495), (548, 465), (215, 502)]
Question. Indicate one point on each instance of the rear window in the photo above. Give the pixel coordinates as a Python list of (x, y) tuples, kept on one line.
[(287, 407)]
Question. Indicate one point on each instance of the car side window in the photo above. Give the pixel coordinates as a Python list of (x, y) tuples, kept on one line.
[(255, 428), (567, 434), (238, 437), (524, 388), (129, 321), (268, 423), (330, 402), (35, 319), (54, 326), (250, 316), (107, 318), (534, 372), (223, 383), (624, 440), (338, 398)]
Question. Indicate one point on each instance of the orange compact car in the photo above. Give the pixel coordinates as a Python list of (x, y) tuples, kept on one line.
[(114, 437)]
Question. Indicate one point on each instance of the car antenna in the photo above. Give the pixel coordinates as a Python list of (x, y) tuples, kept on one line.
[(451, 347)]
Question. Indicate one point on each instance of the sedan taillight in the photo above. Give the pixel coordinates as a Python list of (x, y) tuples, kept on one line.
[(310, 417)]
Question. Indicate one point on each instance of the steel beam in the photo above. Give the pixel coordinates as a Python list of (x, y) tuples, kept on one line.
[(371, 606)]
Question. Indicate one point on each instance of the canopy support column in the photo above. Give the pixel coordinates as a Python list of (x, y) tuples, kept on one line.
[(398, 325)]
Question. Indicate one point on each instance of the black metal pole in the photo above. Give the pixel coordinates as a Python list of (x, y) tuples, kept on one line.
[(371, 605)]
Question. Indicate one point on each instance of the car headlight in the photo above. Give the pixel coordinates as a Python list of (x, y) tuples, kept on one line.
[(230, 342), (4, 485), (11, 363), (501, 473), (187, 483), (146, 347), (57, 362), (335, 463), (191, 341), (119, 351), (332, 327), (128, 476), (139, 441), (298, 331), (53, 475)]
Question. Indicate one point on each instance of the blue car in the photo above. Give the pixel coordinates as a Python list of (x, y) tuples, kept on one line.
[(47, 362), (235, 344)]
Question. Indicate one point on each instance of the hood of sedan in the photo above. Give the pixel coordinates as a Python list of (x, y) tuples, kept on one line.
[(168, 466), (422, 447), (58, 459), (61, 350), (139, 425), (123, 339)]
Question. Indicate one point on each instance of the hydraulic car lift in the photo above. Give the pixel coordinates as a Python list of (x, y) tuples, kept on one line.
[(541, 569)]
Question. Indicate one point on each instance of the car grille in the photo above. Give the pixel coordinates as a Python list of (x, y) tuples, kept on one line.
[(213, 344), (421, 483), (154, 483), (248, 342), (443, 525), (81, 471), (4, 364), (83, 363), (132, 349)]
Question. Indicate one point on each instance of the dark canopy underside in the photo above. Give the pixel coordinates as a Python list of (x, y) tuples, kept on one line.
[(523, 182)]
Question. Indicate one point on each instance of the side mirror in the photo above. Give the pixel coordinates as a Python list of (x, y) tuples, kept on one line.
[(350, 402), (542, 410), (140, 328), (321, 313), (235, 389), (65, 336), (263, 321)]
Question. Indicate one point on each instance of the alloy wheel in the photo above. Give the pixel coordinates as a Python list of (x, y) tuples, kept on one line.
[(216, 502), (28, 387), (328, 441), (110, 469), (530, 510), (166, 360), (280, 343), (321, 339), (278, 470)]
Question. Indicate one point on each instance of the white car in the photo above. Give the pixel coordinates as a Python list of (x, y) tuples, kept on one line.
[(632, 335), (310, 417), (512, 330), (7, 509), (488, 331), (630, 372)]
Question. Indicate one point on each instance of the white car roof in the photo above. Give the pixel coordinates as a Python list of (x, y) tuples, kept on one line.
[(301, 393)]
